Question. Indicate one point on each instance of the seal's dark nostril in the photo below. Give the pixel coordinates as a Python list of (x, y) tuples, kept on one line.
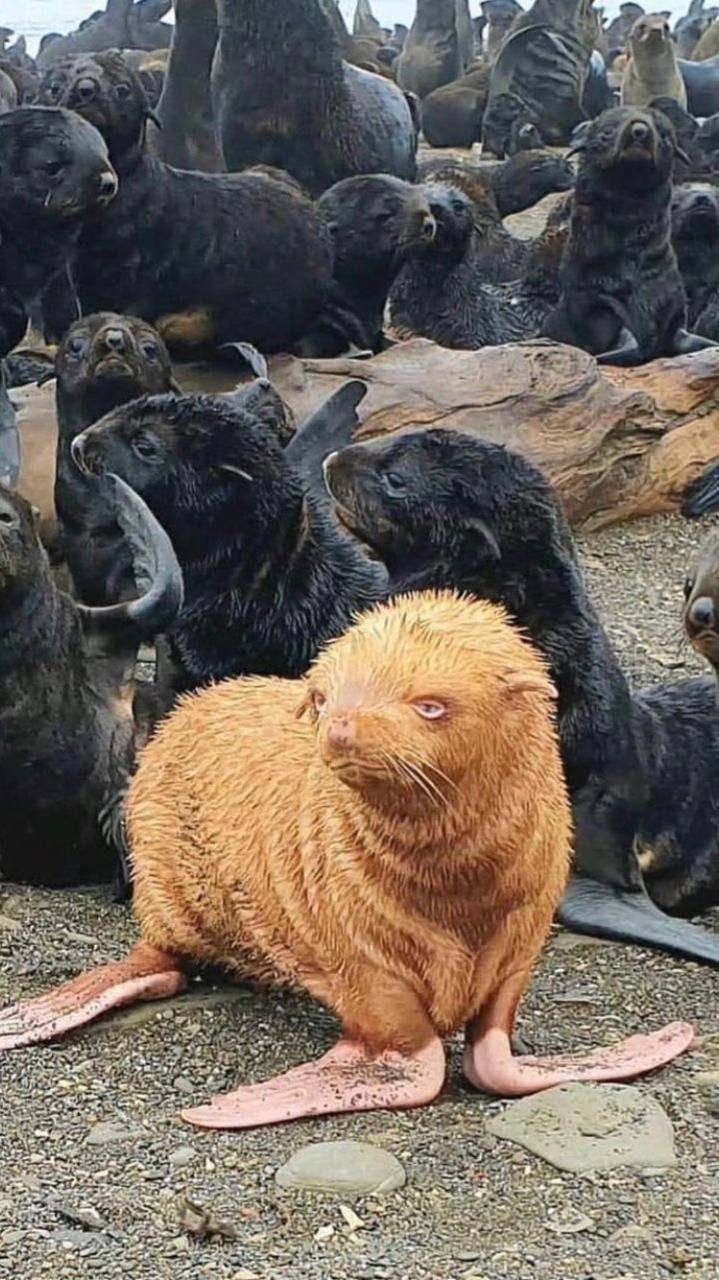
[(114, 339), (702, 612), (639, 130), (108, 184)]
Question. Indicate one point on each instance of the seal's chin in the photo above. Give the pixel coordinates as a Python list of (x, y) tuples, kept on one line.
[(113, 368), (360, 775)]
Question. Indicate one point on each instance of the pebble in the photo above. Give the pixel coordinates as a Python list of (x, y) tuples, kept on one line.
[(110, 1132), (183, 1085), (581, 1127), (354, 1168), (182, 1157)]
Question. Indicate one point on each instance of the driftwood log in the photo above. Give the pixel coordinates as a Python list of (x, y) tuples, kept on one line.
[(616, 443)]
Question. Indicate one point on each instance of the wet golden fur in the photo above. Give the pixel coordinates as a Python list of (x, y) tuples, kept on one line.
[(401, 896)]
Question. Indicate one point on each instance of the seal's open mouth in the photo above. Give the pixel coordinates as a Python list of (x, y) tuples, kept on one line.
[(114, 366)]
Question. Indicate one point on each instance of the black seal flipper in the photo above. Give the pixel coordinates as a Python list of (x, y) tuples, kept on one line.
[(626, 351), (599, 909), (250, 355), (686, 343), (701, 497), (116, 631), (328, 430)]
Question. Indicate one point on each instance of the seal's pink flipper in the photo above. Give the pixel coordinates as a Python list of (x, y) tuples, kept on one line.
[(345, 1079), (145, 974), (490, 1065)]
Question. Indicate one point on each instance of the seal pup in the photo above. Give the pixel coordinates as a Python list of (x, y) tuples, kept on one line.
[(330, 121), (622, 296), (377, 223), (103, 361), (402, 867), (695, 237), (206, 258), (443, 509), (71, 721), (269, 578), (652, 70), (54, 171)]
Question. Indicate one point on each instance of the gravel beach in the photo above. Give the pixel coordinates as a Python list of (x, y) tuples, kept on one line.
[(78, 1200)]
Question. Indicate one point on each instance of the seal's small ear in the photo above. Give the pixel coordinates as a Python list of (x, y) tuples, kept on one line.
[(529, 682), (305, 704)]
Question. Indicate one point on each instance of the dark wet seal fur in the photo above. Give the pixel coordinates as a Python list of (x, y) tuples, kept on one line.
[(695, 237), (442, 509), (517, 183), (268, 577), (441, 295), (377, 223), (70, 720), (207, 258), (622, 294), (103, 361), (54, 171)]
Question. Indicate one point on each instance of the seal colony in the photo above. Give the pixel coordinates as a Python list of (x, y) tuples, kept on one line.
[(387, 740)]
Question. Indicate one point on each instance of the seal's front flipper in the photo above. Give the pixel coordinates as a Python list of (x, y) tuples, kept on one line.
[(591, 907), (490, 1065), (328, 430), (250, 355), (145, 974), (686, 343), (626, 352), (347, 1079)]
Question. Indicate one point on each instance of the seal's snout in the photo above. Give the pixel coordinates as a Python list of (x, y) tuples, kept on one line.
[(342, 735), (702, 614), (108, 185), (639, 132), (86, 89), (85, 455), (113, 340)]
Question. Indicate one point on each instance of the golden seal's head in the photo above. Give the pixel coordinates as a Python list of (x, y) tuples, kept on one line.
[(427, 697)]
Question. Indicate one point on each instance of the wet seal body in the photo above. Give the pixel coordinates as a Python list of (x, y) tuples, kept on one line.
[(188, 138), (54, 172), (402, 868), (70, 724), (652, 70), (269, 578), (103, 361), (206, 258), (431, 56), (444, 509), (331, 121), (622, 295), (516, 183)]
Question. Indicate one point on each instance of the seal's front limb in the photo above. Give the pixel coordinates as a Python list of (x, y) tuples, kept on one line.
[(145, 974), (490, 1065)]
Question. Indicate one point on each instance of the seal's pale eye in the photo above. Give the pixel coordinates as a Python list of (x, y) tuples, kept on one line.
[(429, 709), (53, 168), (319, 702), (151, 350), (77, 346), (393, 484), (122, 90)]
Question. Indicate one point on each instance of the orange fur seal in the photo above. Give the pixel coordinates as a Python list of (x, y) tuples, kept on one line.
[(390, 834)]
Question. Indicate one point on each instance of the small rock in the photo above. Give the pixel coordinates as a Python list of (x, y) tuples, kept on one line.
[(110, 1133), (202, 1222), (580, 1127), (244, 1274), (354, 1222), (12, 1237), (570, 1222), (180, 1244), (82, 1216), (183, 1084), (8, 924), (632, 1231), (182, 1157), (355, 1168), (322, 1234)]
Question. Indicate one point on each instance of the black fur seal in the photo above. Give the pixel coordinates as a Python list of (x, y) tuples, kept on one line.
[(188, 137), (206, 258), (103, 361), (516, 183), (443, 509), (431, 56), (622, 295), (70, 728), (54, 172), (331, 120), (695, 237), (268, 577)]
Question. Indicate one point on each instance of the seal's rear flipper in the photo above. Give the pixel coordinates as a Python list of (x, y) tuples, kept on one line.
[(606, 912), (347, 1079), (702, 496), (327, 431), (686, 343), (626, 351), (145, 974)]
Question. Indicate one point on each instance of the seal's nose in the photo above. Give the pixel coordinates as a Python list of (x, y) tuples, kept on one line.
[(639, 131), (702, 612), (114, 339), (86, 89), (341, 734), (108, 185)]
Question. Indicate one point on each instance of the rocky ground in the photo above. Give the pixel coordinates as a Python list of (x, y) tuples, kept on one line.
[(97, 1169)]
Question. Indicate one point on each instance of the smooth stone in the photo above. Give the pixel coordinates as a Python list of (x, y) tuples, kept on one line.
[(583, 1127), (182, 1157), (354, 1168), (110, 1132)]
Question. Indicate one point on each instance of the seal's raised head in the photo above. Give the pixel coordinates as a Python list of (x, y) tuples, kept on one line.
[(107, 359), (627, 145), (106, 91), (21, 553), (701, 607), (53, 165), (414, 702)]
